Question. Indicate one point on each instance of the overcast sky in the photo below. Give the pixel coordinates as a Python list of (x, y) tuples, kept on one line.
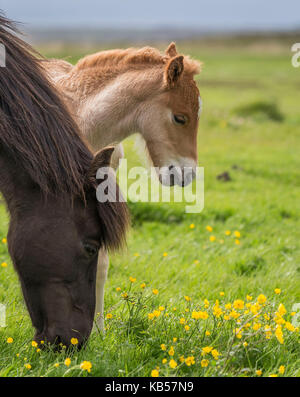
[(208, 14)]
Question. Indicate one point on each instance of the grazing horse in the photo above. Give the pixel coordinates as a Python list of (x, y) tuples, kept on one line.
[(116, 93), (48, 180)]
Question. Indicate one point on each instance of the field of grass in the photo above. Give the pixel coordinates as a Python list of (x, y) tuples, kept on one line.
[(201, 302)]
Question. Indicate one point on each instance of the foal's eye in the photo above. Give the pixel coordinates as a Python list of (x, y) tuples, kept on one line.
[(179, 119), (91, 250)]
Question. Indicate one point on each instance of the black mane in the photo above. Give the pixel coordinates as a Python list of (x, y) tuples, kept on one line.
[(35, 127)]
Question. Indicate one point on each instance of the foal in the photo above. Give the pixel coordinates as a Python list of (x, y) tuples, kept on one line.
[(116, 93), (48, 180)]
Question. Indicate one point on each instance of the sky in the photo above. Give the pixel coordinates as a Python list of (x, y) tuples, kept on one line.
[(200, 14)]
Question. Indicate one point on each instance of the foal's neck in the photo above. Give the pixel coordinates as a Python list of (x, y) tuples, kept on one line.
[(110, 111)]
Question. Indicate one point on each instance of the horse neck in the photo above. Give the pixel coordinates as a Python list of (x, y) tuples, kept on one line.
[(110, 112)]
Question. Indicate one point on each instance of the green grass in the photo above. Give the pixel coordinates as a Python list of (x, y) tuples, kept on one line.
[(250, 127)]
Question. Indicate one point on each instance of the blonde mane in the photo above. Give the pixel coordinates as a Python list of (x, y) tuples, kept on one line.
[(120, 60)]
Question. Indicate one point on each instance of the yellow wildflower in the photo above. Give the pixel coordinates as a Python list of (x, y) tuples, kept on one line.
[(27, 366), (207, 333), (281, 369), (9, 340), (34, 344), (67, 361), (165, 254), (86, 366), (132, 279), (261, 299), (281, 309), (238, 304), (206, 350), (173, 363), (155, 291), (4, 240), (258, 372), (161, 308), (154, 373), (192, 226), (109, 315), (190, 361), (150, 316), (215, 354), (209, 228), (3, 264), (174, 340), (182, 321), (199, 315), (212, 238), (237, 242), (187, 298), (249, 298), (273, 376), (143, 285), (204, 363), (237, 234), (289, 326), (163, 346), (277, 291), (279, 334), (206, 303), (222, 293), (228, 232), (118, 289), (164, 360), (181, 359), (186, 327), (171, 351), (56, 365)]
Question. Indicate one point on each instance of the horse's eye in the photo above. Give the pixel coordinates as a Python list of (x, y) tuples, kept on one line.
[(91, 250), (179, 119)]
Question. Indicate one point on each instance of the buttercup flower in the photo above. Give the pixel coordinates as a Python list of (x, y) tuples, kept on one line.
[(258, 372), (27, 366), (86, 366), (74, 341), (109, 315), (173, 363), (277, 291), (192, 226), (209, 228), (163, 346), (204, 363), (132, 279), (9, 340), (155, 291), (261, 299), (3, 264), (67, 361), (281, 369), (143, 285), (154, 373), (34, 344)]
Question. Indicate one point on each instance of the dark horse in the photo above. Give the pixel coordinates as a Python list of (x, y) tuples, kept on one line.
[(48, 180)]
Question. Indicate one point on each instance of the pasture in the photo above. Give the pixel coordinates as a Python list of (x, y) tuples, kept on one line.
[(209, 294)]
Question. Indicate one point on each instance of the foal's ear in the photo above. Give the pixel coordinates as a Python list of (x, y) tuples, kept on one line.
[(171, 50), (173, 71), (101, 159)]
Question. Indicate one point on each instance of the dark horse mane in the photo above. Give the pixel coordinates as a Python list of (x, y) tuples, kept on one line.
[(35, 126)]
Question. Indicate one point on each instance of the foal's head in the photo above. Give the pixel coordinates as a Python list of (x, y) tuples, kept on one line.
[(171, 120)]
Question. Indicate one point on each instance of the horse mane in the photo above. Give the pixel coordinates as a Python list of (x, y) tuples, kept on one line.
[(120, 60), (35, 127)]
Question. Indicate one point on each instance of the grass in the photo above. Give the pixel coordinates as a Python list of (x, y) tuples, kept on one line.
[(250, 128)]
